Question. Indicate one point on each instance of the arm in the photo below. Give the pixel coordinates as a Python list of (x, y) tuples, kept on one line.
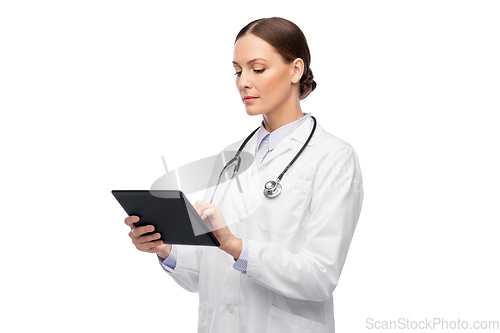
[(313, 273)]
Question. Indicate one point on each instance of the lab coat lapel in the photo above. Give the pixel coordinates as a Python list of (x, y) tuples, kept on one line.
[(300, 134), (244, 177)]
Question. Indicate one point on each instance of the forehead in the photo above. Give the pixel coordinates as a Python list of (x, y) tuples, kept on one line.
[(250, 47)]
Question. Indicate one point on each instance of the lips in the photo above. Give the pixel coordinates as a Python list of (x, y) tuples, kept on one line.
[(248, 99)]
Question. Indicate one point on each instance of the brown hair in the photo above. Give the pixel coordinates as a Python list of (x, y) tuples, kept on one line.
[(289, 41)]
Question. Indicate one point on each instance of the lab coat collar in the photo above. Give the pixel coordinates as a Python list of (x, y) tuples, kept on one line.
[(279, 134), (300, 135)]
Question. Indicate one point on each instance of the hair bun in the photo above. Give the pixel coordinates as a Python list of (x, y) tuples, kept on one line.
[(307, 84)]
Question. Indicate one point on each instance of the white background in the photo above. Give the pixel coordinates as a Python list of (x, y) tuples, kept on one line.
[(93, 93)]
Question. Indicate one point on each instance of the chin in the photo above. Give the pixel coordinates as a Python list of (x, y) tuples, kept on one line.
[(252, 112)]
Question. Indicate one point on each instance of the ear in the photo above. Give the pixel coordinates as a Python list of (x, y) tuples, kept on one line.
[(297, 70)]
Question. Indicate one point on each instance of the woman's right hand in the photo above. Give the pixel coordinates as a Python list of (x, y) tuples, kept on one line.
[(147, 243)]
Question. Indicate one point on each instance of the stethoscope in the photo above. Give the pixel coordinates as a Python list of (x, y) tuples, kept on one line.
[(272, 188)]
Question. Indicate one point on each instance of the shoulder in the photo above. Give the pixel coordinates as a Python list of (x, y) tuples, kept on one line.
[(332, 140), (330, 145), (336, 161)]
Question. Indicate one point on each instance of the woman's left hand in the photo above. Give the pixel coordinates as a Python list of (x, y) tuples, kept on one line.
[(212, 214)]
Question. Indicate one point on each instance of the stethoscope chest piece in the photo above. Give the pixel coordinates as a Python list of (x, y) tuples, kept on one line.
[(272, 189)]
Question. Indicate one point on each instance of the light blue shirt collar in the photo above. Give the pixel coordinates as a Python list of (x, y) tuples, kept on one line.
[(279, 134)]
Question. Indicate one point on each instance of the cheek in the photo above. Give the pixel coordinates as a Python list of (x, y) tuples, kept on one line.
[(272, 85), (277, 86)]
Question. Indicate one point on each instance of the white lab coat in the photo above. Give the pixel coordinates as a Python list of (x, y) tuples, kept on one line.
[(298, 241)]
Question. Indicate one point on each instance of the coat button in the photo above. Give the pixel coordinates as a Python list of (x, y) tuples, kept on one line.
[(231, 308)]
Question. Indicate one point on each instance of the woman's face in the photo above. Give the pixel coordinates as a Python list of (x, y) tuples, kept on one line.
[(265, 82)]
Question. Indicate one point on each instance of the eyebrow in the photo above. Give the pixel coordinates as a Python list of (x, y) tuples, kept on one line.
[(250, 62)]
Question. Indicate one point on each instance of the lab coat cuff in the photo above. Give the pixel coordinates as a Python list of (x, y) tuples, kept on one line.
[(242, 262), (169, 263)]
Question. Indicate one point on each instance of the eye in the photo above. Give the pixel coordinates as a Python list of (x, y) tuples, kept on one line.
[(237, 73), (258, 71)]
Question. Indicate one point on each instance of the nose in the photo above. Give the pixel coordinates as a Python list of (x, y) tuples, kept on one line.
[(243, 81)]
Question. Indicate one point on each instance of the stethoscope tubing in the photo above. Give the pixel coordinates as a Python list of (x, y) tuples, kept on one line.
[(272, 188), (300, 151)]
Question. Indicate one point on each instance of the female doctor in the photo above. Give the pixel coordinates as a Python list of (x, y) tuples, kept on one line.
[(285, 228)]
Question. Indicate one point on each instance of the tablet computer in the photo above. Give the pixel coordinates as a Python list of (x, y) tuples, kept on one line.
[(170, 212)]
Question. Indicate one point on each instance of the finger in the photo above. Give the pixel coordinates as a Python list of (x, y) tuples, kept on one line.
[(139, 231), (199, 204), (131, 220), (147, 247), (210, 211), (199, 207), (205, 214), (147, 238)]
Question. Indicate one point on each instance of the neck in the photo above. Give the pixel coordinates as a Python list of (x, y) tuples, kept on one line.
[(277, 118)]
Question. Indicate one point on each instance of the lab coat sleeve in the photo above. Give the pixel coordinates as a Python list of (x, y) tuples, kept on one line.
[(187, 269), (312, 273)]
